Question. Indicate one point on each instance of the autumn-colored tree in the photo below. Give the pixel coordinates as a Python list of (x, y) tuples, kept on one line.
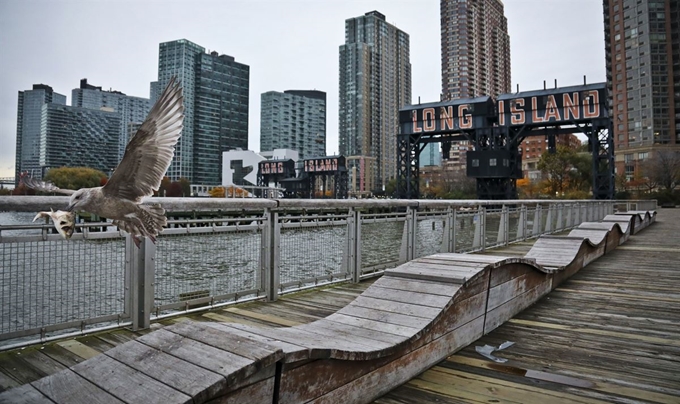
[(185, 185), (163, 189), (75, 177), (174, 190), (22, 189), (217, 192), (557, 166)]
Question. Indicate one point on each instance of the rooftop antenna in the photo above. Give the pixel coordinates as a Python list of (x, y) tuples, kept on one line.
[(584, 79), (555, 83), (518, 87), (544, 87), (418, 100)]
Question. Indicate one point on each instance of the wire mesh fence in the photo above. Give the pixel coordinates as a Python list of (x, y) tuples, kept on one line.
[(213, 264), (381, 239), (47, 283), (312, 249), (430, 232)]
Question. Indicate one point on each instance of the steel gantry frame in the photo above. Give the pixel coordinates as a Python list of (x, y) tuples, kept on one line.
[(497, 128)]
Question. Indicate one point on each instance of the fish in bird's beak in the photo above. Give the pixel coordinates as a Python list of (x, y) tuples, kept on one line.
[(64, 222)]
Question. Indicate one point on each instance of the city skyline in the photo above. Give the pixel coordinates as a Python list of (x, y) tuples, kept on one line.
[(298, 51)]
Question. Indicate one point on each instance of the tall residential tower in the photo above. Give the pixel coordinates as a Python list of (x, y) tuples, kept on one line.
[(294, 119), (375, 82), (475, 49), (215, 89), (29, 114), (642, 44), (132, 110)]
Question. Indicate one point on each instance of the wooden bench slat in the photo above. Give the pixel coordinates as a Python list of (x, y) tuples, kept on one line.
[(384, 316), (192, 380), (67, 387), (119, 380), (26, 394), (222, 362), (414, 285), (403, 296), (380, 326), (254, 350), (396, 307)]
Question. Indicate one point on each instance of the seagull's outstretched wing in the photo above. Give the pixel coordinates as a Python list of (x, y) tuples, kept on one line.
[(45, 186), (149, 152)]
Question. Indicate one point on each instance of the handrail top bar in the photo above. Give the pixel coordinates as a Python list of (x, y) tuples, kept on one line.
[(34, 203)]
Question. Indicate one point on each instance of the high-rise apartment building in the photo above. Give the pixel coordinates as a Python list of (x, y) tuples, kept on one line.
[(29, 114), (131, 109), (79, 137), (52, 134), (642, 44), (220, 113), (475, 48), (215, 89), (375, 82), (294, 119)]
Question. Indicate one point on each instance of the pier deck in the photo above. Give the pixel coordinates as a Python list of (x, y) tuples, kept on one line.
[(611, 333), (608, 334)]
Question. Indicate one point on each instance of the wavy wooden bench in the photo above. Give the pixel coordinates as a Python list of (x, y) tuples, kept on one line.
[(411, 318)]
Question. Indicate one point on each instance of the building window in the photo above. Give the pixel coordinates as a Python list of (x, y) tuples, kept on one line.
[(475, 162), (492, 162)]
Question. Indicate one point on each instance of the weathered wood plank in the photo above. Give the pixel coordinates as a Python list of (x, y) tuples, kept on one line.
[(194, 381), (67, 387), (227, 364), (25, 394), (120, 380)]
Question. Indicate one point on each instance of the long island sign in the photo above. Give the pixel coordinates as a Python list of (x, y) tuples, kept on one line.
[(566, 105)]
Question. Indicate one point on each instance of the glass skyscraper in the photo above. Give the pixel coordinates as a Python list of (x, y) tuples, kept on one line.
[(294, 119), (375, 82), (131, 109), (79, 137), (220, 113), (215, 89), (29, 113)]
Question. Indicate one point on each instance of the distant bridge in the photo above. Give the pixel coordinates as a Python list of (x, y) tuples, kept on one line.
[(6, 181)]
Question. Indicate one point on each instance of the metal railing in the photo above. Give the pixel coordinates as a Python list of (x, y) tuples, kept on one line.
[(218, 252)]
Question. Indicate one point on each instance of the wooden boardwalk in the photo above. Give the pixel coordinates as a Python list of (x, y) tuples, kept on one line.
[(627, 327), (609, 334)]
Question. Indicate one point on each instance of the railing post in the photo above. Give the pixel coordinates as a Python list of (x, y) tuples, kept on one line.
[(353, 252), (271, 236), (479, 240), (502, 237), (522, 223), (449, 237), (548, 220), (560, 217), (408, 239), (140, 270), (537, 221)]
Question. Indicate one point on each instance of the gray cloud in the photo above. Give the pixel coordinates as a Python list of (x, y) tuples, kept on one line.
[(288, 44)]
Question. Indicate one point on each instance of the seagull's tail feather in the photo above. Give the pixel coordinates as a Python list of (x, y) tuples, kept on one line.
[(148, 222), (153, 217)]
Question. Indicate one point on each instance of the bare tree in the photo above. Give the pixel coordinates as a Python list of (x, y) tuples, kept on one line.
[(663, 168)]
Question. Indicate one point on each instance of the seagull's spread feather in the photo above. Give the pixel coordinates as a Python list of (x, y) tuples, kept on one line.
[(45, 186), (149, 153)]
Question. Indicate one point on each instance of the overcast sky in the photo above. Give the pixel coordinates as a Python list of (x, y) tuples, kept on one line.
[(288, 44)]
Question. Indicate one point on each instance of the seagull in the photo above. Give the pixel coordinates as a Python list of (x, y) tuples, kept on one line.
[(146, 159)]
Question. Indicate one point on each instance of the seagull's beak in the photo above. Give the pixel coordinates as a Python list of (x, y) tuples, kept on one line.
[(70, 207)]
